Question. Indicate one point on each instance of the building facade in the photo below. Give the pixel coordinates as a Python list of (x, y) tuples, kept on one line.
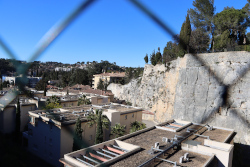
[(107, 77), (50, 133)]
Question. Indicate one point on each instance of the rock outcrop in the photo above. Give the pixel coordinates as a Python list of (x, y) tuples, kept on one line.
[(206, 88)]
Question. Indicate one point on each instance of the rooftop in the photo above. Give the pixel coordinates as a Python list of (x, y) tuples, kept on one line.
[(159, 147), (69, 115), (122, 74)]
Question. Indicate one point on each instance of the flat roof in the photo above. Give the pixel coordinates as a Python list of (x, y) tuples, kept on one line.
[(69, 115), (195, 159), (145, 139)]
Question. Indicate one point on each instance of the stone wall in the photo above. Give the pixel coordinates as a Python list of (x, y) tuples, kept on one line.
[(193, 88)]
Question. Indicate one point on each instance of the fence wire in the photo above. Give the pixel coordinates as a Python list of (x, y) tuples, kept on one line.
[(58, 29)]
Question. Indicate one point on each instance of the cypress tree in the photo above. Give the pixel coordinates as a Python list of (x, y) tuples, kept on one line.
[(146, 58), (181, 41), (99, 131), (187, 33), (158, 57), (45, 90), (153, 58), (18, 121), (77, 135)]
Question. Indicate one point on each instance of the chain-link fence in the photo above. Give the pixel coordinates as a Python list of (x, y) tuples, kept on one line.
[(55, 31)]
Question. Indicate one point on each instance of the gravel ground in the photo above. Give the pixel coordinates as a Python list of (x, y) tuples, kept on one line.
[(195, 160), (147, 139)]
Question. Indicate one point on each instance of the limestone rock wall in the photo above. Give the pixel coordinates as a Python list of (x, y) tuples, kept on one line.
[(210, 88)]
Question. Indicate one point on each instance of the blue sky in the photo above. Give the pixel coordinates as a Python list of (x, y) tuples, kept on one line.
[(113, 30)]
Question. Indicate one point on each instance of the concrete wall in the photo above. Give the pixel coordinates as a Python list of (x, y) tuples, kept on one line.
[(7, 118), (223, 151), (69, 103), (44, 141), (25, 115), (127, 119), (88, 137)]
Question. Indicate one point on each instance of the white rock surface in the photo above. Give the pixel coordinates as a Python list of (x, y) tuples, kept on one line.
[(193, 90)]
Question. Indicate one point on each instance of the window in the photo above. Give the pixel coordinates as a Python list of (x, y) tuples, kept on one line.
[(90, 137), (126, 117), (133, 115)]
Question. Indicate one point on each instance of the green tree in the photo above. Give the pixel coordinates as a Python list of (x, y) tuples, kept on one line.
[(153, 59), (52, 102), (187, 31), (184, 38), (77, 140), (146, 59), (135, 126), (44, 89), (83, 101), (181, 44), (18, 117), (99, 130), (106, 84), (118, 130), (230, 28), (169, 52), (199, 41), (158, 56), (93, 119), (202, 17), (100, 84)]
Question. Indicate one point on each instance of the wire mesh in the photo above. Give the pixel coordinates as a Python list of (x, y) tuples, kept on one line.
[(57, 30)]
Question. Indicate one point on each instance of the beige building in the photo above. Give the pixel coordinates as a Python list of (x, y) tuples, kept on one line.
[(50, 133), (173, 143), (8, 115), (107, 77)]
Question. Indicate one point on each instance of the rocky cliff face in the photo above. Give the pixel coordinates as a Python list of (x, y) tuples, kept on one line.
[(207, 88)]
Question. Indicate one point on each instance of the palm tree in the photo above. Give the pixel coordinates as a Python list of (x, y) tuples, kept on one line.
[(135, 126), (53, 99), (118, 130), (83, 100), (52, 102), (93, 120)]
